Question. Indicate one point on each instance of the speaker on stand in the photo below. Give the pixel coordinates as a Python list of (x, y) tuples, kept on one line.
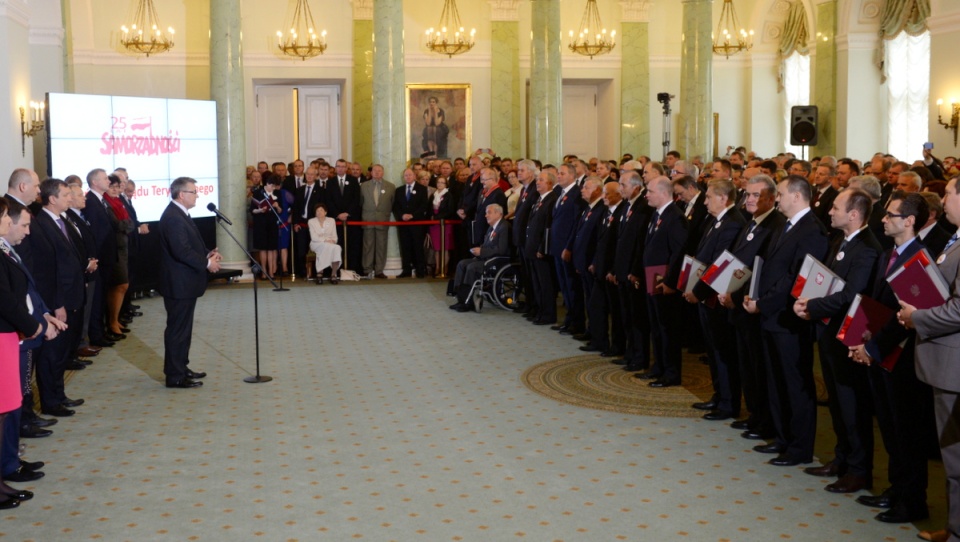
[(803, 126)]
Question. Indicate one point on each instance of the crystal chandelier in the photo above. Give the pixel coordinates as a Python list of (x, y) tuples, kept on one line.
[(451, 39), (593, 43), (143, 36), (730, 37), (302, 41)]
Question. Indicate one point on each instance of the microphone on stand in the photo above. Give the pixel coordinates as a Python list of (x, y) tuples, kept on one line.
[(213, 208)]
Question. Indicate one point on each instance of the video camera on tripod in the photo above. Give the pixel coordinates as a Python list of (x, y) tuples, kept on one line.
[(664, 98)]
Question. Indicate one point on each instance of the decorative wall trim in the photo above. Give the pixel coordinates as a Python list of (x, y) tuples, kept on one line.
[(15, 10), (862, 41), (635, 11), (605, 62), (362, 9), (433, 60), (504, 10), (116, 58), (270, 60), (46, 35), (943, 24)]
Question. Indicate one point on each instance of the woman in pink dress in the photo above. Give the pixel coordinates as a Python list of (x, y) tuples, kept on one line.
[(444, 208)]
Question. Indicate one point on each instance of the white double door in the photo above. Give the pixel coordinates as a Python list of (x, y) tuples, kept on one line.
[(298, 121)]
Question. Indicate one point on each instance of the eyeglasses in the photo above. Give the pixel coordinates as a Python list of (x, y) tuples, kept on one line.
[(188, 191), (894, 215)]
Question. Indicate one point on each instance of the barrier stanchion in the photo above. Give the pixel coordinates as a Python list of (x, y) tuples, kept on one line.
[(345, 241), (442, 263)]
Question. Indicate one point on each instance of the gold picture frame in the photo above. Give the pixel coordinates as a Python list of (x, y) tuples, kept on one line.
[(450, 137)]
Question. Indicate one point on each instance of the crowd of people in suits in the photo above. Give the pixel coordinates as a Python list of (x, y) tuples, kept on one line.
[(612, 248), (64, 280)]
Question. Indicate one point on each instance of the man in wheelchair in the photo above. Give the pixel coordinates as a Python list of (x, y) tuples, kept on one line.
[(496, 243)]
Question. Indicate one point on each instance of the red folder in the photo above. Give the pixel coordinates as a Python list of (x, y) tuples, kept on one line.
[(863, 320), (655, 274), (919, 283)]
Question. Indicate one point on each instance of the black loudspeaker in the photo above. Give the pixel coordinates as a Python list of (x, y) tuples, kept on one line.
[(803, 125)]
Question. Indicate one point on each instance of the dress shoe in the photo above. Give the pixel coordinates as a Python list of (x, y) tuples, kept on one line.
[(934, 536), (830, 470), (134, 312), (900, 514), (464, 308), (571, 331), (455, 306), (31, 465), (74, 366), (582, 337), (124, 329), (405, 275), (19, 494), (70, 403), (705, 405), (185, 383), (133, 307), (531, 316), (111, 336), (85, 362), (718, 415), (740, 425), (42, 422), (786, 461), (87, 352), (559, 328), (649, 375), (632, 368), (193, 375), (544, 322), (59, 411), (9, 504), (22, 475), (849, 484), (753, 435), (610, 354), (102, 343), (589, 348), (379, 276), (125, 320), (30, 431), (773, 448), (883, 500), (619, 361), (664, 383)]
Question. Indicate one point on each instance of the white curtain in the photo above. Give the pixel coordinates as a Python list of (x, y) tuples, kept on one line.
[(907, 63), (796, 91)]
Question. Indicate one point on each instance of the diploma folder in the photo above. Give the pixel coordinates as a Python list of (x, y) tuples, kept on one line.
[(727, 274), (919, 283), (815, 280), (755, 279), (690, 273), (863, 320)]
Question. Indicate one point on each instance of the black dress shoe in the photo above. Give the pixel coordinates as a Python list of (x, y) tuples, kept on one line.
[(111, 336), (772, 448), (31, 465), (705, 405), (649, 375), (740, 425), (610, 354), (405, 275), (124, 329), (19, 494), (455, 306), (70, 403), (74, 366), (900, 514), (195, 375), (571, 331), (85, 362), (464, 308), (884, 500), (632, 368), (42, 422), (185, 383), (786, 461), (133, 308), (544, 322), (753, 435), (102, 343), (582, 337), (620, 361), (559, 327), (59, 411), (663, 383), (718, 415), (849, 484), (22, 475), (30, 431), (9, 504), (589, 348), (125, 321), (829, 470)]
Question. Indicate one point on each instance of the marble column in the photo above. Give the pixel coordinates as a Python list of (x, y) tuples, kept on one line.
[(505, 78), (825, 79), (546, 85), (695, 118), (389, 102), (362, 82), (226, 88), (635, 78)]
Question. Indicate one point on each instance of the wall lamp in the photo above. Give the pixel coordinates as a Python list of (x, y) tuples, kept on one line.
[(954, 118), (35, 126)]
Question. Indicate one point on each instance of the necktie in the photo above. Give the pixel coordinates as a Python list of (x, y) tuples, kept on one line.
[(753, 224), (409, 190), (787, 227), (341, 185), (8, 250), (63, 228), (106, 204), (950, 243), (306, 201), (893, 258), (653, 223), (376, 193)]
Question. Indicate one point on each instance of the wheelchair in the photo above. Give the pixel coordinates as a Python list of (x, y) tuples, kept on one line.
[(500, 284)]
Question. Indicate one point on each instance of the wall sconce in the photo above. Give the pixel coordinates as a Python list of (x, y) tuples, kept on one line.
[(36, 124), (954, 118)]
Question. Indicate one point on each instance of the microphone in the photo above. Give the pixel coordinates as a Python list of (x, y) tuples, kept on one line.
[(213, 208)]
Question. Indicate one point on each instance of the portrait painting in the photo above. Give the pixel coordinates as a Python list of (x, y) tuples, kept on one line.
[(438, 120)]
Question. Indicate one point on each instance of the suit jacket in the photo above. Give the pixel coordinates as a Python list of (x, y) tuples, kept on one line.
[(606, 243), (936, 239), (784, 256), (479, 224), (746, 248), (566, 213), (892, 335), (290, 183), (469, 194), (300, 203), (447, 209), (86, 244), (696, 221), (528, 198), (59, 278), (15, 282), (378, 211), (583, 243), (104, 232), (938, 331), (183, 256), (538, 225), (348, 201), (821, 207), (631, 233), (665, 241), (418, 205), (496, 241), (717, 237)]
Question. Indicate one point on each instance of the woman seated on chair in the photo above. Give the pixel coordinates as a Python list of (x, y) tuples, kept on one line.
[(323, 243)]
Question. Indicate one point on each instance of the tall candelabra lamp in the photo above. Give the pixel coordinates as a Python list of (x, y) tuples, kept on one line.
[(954, 117), (34, 126)]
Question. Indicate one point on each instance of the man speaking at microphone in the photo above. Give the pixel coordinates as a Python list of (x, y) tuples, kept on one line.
[(184, 263)]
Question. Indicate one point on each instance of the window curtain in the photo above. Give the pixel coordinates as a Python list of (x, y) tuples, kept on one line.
[(907, 61), (794, 38), (796, 91), (908, 16)]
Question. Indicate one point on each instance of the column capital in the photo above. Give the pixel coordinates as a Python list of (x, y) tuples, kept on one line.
[(635, 11), (362, 10), (504, 10)]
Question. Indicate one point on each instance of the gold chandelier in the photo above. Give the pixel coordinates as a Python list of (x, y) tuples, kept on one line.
[(443, 41), (302, 41), (592, 43), (143, 36), (730, 37)]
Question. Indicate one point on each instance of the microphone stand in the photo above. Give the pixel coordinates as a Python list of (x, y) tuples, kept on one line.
[(282, 226), (255, 269)]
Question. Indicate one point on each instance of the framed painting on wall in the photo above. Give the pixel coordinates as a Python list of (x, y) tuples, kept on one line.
[(438, 120)]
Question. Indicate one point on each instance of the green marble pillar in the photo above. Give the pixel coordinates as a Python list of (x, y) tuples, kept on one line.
[(825, 79), (362, 83), (505, 85), (635, 78), (546, 87), (695, 118), (226, 88)]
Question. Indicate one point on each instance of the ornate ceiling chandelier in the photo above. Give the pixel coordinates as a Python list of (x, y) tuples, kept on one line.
[(451, 39), (730, 37), (302, 41), (143, 36), (596, 42)]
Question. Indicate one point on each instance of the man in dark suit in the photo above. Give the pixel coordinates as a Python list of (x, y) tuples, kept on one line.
[(582, 246), (295, 180), (853, 257), (59, 279), (788, 340), (129, 310), (823, 192), (410, 204), (98, 215), (933, 235), (304, 201), (345, 204), (603, 304), (563, 225), (628, 249), (527, 172), (902, 403), (496, 243), (184, 264), (88, 248), (536, 252), (490, 193), (468, 205), (662, 257)]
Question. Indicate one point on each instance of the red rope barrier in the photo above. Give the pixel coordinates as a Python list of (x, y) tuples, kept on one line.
[(408, 223)]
